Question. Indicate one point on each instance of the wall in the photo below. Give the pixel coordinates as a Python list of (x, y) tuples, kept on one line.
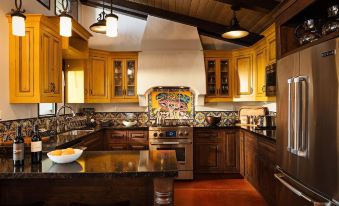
[(14, 111)]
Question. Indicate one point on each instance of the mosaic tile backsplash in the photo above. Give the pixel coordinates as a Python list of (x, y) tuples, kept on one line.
[(52, 125)]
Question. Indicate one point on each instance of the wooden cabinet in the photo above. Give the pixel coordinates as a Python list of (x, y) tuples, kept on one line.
[(98, 77), (259, 165), (124, 73), (36, 63), (93, 142), (260, 70), (243, 63), (123, 140), (218, 76), (216, 151)]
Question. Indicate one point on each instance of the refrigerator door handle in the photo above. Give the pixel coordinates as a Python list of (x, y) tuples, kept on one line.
[(289, 117), (303, 101), (297, 110), (280, 176)]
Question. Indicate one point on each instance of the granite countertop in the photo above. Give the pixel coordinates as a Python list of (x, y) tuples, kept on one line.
[(269, 134), (103, 164)]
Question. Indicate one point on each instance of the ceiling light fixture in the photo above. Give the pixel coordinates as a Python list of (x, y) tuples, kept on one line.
[(235, 31), (65, 20), (100, 25), (18, 20), (112, 23)]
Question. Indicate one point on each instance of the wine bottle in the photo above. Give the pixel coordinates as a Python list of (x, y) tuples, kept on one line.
[(36, 146), (18, 148)]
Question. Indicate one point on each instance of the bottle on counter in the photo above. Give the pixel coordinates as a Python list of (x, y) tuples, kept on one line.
[(18, 148), (36, 146)]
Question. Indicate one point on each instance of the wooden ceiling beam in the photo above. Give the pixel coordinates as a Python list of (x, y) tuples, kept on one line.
[(211, 29), (263, 6)]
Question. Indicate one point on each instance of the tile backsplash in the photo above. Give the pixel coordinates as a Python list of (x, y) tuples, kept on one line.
[(52, 125)]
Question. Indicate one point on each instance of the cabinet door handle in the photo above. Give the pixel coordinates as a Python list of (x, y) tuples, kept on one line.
[(91, 92), (85, 91)]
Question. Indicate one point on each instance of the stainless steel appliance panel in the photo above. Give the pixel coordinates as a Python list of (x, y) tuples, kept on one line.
[(308, 108)]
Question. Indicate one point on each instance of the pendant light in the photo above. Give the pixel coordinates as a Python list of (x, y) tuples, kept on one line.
[(65, 20), (100, 25), (111, 23), (18, 20), (236, 31)]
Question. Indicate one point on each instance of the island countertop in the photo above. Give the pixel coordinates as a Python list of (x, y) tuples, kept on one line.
[(103, 164)]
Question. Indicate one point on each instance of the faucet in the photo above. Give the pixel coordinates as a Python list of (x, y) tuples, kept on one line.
[(57, 115)]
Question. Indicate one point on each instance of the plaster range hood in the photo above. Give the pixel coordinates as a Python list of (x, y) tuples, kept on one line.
[(171, 56)]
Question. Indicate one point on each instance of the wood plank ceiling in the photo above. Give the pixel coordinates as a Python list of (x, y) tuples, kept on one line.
[(254, 15)]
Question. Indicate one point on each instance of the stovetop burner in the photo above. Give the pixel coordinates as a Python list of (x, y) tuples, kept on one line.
[(174, 123)]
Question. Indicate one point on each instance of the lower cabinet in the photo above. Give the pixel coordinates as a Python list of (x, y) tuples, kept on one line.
[(216, 151), (259, 165), (126, 140), (93, 142)]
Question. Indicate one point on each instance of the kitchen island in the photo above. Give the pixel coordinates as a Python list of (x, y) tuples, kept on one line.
[(103, 177)]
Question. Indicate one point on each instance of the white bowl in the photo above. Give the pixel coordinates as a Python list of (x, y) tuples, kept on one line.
[(129, 124), (65, 158)]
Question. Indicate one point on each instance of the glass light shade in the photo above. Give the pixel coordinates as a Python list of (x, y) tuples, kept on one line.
[(111, 25), (65, 26), (99, 27), (235, 34), (18, 25)]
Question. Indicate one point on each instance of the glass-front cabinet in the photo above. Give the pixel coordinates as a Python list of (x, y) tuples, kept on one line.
[(124, 88), (217, 79)]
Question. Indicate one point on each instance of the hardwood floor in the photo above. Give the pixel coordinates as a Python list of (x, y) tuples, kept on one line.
[(216, 192)]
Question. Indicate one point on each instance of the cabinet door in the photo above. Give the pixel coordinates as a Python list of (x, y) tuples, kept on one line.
[(260, 71), (22, 50), (130, 79), (56, 67), (271, 48), (118, 78), (208, 156), (251, 159), (242, 153), (98, 75), (224, 76), (231, 152), (211, 76), (46, 64), (243, 67)]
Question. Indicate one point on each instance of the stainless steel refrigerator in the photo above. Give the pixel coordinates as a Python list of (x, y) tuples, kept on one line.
[(308, 126)]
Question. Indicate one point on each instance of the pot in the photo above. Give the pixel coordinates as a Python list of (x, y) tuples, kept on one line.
[(213, 121)]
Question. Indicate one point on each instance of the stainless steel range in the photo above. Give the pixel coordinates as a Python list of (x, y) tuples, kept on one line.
[(180, 139)]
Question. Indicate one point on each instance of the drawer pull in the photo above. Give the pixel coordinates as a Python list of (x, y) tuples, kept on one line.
[(138, 147), (117, 147)]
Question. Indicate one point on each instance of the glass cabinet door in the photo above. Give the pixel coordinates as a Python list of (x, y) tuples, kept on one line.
[(224, 78), (118, 78), (211, 77), (130, 78)]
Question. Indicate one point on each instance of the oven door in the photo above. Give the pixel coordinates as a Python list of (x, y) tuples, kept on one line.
[(184, 152)]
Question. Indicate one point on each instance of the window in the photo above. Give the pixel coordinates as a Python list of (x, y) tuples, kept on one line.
[(47, 109)]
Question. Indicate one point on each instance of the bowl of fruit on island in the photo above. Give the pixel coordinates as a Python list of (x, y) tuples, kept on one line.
[(62, 156)]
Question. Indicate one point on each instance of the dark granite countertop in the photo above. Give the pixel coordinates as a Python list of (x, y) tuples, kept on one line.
[(101, 164), (269, 134)]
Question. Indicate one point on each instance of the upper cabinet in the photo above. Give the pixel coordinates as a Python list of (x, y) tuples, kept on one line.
[(218, 76), (124, 71), (240, 75), (243, 65), (98, 77), (36, 62)]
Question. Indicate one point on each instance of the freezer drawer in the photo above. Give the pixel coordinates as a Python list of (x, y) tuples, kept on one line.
[(293, 193)]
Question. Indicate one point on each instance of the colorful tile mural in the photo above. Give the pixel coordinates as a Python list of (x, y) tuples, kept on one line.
[(171, 104)]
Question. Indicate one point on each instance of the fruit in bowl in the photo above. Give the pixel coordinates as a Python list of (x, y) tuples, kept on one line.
[(129, 123), (64, 156)]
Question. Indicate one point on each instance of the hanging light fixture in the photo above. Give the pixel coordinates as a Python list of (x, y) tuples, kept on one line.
[(100, 25), (65, 20), (111, 23), (18, 20), (236, 31)]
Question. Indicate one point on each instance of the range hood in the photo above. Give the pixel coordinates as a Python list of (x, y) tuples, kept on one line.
[(171, 56)]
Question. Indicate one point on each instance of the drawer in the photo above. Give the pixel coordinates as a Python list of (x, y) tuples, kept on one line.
[(116, 137), (208, 136), (138, 136), (138, 147), (117, 147)]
